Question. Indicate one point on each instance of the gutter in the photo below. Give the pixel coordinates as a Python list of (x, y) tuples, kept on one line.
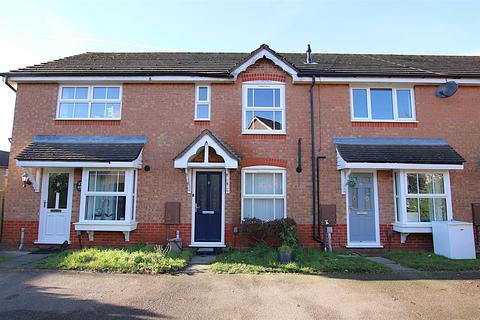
[(315, 236), (5, 79)]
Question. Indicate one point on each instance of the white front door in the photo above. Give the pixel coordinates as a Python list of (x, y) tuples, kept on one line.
[(55, 206)]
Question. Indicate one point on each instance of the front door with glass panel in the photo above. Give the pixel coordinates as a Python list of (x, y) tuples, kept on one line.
[(208, 207), (361, 208), (56, 206)]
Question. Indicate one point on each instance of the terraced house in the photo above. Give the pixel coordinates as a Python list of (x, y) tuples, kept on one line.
[(123, 148)]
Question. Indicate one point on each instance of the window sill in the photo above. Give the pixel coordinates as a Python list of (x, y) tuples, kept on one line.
[(401, 124), (425, 227), (109, 122), (106, 226)]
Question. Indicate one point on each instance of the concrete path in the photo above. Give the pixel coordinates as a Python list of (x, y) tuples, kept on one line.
[(395, 267), (200, 264), (20, 260)]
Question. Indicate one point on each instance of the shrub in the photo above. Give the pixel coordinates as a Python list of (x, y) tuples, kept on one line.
[(259, 230)]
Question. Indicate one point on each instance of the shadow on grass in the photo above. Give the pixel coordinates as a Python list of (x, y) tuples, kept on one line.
[(19, 300)]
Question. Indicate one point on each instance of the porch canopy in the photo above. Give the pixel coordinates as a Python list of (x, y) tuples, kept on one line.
[(396, 153), (207, 151), (82, 152)]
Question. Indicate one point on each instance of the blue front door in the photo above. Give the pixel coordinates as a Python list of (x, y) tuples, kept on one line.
[(208, 207), (361, 208)]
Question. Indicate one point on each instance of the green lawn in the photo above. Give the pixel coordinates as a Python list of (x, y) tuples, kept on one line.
[(428, 261), (138, 259), (262, 259), (3, 258)]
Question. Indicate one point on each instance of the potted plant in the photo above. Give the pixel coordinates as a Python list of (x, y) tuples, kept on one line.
[(285, 253)]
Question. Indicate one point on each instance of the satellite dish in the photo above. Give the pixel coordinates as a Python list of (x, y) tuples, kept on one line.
[(446, 89)]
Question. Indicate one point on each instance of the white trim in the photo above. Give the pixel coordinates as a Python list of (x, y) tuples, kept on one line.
[(118, 79), (89, 100), (364, 245), (376, 243), (264, 169), (342, 164), (194, 189), (425, 227), (208, 101), (43, 197), (80, 164), (264, 53), (387, 80), (394, 103), (281, 108), (105, 226), (184, 161), (195, 79)]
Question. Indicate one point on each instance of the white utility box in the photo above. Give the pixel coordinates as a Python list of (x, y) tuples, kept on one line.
[(453, 239)]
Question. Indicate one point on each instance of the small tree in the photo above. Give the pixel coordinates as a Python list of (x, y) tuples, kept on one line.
[(283, 229)]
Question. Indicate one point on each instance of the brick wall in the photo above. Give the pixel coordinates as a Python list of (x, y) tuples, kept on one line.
[(165, 112)]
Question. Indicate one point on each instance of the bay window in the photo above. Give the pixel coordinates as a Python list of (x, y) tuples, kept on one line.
[(263, 194), (108, 195), (263, 108), (382, 104), (421, 197), (89, 102)]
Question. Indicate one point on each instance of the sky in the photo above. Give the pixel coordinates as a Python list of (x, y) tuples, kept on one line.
[(38, 31)]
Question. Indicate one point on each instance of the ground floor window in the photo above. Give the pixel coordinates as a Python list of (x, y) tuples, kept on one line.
[(108, 195), (421, 196), (263, 193)]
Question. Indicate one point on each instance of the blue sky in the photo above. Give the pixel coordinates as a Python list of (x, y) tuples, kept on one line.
[(37, 31)]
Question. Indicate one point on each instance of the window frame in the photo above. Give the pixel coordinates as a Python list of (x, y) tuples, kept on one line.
[(403, 188), (89, 100), (394, 89), (208, 101), (264, 169), (130, 194), (281, 108)]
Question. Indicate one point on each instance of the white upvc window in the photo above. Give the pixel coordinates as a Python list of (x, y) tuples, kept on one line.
[(382, 104), (421, 197), (108, 195), (80, 102), (202, 102), (263, 193), (263, 108)]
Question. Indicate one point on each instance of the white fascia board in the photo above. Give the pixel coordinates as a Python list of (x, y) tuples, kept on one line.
[(120, 79), (387, 80), (267, 54), (77, 164), (391, 166)]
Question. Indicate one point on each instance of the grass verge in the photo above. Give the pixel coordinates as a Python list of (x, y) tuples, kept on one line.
[(3, 259), (427, 261), (137, 259), (263, 259)]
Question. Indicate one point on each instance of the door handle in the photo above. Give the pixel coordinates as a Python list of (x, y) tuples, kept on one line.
[(208, 212)]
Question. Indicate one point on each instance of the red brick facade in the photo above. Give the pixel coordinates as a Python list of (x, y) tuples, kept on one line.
[(164, 113)]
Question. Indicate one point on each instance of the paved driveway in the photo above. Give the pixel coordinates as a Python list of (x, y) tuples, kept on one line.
[(72, 295)]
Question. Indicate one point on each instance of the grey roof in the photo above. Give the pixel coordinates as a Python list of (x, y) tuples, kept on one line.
[(385, 150), (83, 148), (221, 143), (220, 64), (4, 158)]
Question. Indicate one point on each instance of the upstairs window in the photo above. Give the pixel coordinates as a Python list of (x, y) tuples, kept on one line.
[(202, 103), (382, 104), (89, 102), (264, 108)]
